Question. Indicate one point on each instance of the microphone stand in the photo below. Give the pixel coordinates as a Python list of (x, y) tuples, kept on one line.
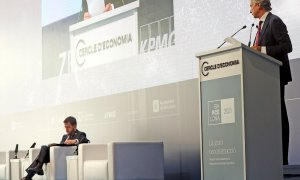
[(32, 146), (81, 14), (249, 44), (16, 151), (232, 36)]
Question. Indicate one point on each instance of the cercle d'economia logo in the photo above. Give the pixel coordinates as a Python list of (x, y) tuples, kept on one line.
[(206, 68), (203, 69), (80, 60)]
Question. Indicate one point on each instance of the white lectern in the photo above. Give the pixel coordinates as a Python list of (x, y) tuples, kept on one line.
[(240, 115)]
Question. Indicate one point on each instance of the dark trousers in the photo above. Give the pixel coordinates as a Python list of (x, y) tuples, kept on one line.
[(285, 127), (42, 158)]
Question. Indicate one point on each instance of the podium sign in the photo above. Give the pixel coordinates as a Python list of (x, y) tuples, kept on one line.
[(222, 117)]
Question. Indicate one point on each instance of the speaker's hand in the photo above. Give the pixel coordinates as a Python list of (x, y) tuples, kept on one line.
[(108, 7), (257, 48), (86, 16)]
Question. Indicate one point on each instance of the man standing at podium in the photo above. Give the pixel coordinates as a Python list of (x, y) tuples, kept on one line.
[(272, 38), (109, 5), (85, 9)]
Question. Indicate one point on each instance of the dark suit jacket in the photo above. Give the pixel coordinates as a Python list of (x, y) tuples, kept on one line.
[(275, 37), (80, 136), (84, 6)]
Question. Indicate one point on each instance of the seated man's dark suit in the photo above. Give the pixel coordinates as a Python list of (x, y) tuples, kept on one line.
[(274, 36)]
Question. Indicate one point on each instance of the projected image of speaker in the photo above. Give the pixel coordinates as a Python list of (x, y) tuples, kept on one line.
[(95, 7)]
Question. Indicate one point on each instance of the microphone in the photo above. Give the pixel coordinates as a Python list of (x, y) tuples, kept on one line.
[(250, 39), (80, 15), (16, 151), (244, 27), (32, 146)]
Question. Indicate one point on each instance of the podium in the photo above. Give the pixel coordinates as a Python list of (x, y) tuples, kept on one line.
[(240, 115)]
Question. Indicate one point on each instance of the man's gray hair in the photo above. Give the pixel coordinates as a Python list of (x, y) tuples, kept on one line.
[(266, 4)]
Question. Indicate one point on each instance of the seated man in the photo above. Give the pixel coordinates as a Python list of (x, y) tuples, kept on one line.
[(73, 137)]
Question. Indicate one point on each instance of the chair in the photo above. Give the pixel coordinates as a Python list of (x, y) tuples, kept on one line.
[(56, 169), (92, 162), (121, 160), (135, 160), (3, 165)]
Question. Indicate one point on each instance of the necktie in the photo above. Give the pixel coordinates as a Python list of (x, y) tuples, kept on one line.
[(258, 33)]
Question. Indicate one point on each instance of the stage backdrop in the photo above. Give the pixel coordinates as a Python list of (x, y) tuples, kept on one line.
[(151, 96)]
